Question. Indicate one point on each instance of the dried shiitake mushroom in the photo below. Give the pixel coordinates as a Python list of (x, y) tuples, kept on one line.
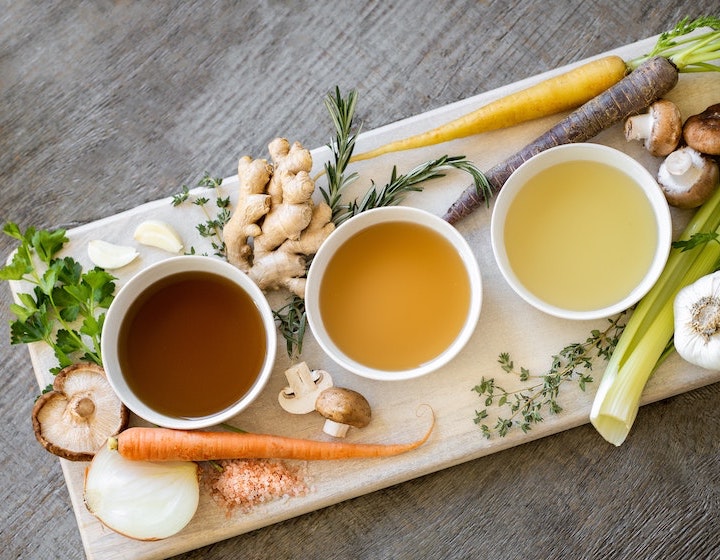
[(76, 418)]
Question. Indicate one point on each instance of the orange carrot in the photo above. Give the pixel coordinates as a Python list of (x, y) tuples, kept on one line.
[(163, 444), (551, 96), (650, 81)]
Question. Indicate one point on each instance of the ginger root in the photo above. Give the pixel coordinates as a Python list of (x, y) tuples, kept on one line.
[(276, 225)]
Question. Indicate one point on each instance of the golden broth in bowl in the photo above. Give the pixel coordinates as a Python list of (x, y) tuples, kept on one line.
[(581, 231), (393, 293), (596, 228)]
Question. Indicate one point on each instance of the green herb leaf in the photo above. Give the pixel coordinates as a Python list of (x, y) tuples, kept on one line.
[(291, 321), (695, 240)]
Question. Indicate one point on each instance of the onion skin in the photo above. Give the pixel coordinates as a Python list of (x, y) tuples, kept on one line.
[(141, 500)]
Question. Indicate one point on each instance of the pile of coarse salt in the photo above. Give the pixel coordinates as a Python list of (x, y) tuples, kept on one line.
[(245, 483)]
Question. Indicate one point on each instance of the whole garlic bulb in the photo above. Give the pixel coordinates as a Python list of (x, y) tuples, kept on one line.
[(697, 322)]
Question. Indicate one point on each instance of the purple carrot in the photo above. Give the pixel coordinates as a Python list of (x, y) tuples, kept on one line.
[(635, 92)]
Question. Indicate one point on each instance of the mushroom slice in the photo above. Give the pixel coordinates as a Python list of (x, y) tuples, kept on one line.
[(702, 131), (75, 419), (688, 178), (660, 128), (342, 408), (303, 388)]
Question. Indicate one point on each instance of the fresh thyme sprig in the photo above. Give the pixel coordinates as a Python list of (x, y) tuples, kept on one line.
[(526, 405), (66, 309), (213, 226)]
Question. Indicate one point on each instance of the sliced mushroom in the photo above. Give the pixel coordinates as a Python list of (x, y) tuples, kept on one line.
[(660, 128), (687, 178), (75, 419), (702, 131), (342, 408), (304, 388)]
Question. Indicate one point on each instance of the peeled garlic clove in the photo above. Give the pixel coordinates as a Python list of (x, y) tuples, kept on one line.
[(140, 499), (108, 255), (159, 234)]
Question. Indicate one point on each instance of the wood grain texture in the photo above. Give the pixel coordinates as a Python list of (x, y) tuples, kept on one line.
[(105, 105)]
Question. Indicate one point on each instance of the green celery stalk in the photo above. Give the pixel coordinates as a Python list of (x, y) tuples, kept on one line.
[(649, 329)]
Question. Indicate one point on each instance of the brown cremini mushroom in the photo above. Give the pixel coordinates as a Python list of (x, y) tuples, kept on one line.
[(76, 418), (702, 131), (342, 408), (688, 178), (660, 128)]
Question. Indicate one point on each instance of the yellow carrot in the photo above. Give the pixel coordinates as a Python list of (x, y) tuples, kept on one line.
[(163, 444), (645, 84), (548, 97)]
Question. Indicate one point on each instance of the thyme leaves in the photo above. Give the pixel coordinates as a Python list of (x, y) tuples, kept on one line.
[(525, 406)]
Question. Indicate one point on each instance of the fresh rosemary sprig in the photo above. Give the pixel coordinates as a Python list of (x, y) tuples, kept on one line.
[(342, 112), (526, 405), (394, 191), (291, 321), (213, 226)]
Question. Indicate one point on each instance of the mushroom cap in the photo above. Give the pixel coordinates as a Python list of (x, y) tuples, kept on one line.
[(661, 128), (344, 406), (75, 419), (687, 178), (702, 131)]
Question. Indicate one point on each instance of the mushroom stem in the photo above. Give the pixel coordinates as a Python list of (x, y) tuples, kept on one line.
[(638, 127), (82, 407), (678, 162), (335, 429)]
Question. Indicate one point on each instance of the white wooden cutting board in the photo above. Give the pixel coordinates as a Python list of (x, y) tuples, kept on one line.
[(507, 324)]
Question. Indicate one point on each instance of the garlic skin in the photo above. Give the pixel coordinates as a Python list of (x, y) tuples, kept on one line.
[(155, 233), (108, 255), (697, 322), (140, 499)]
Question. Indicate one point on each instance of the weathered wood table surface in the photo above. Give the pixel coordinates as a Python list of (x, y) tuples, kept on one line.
[(108, 105)]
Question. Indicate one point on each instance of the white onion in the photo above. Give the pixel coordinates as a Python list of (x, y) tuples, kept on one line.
[(141, 499)]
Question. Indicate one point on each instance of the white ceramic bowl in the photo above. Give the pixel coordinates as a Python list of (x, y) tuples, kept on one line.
[(127, 295), (369, 219), (653, 199)]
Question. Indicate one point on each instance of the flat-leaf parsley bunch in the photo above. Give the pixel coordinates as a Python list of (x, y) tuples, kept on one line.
[(67, 306)]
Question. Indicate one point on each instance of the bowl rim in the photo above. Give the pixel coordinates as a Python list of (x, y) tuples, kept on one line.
[(141, 281), (358, 223), (597, 153)]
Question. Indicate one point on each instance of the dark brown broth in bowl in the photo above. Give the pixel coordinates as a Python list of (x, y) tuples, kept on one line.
[(192, 344)]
